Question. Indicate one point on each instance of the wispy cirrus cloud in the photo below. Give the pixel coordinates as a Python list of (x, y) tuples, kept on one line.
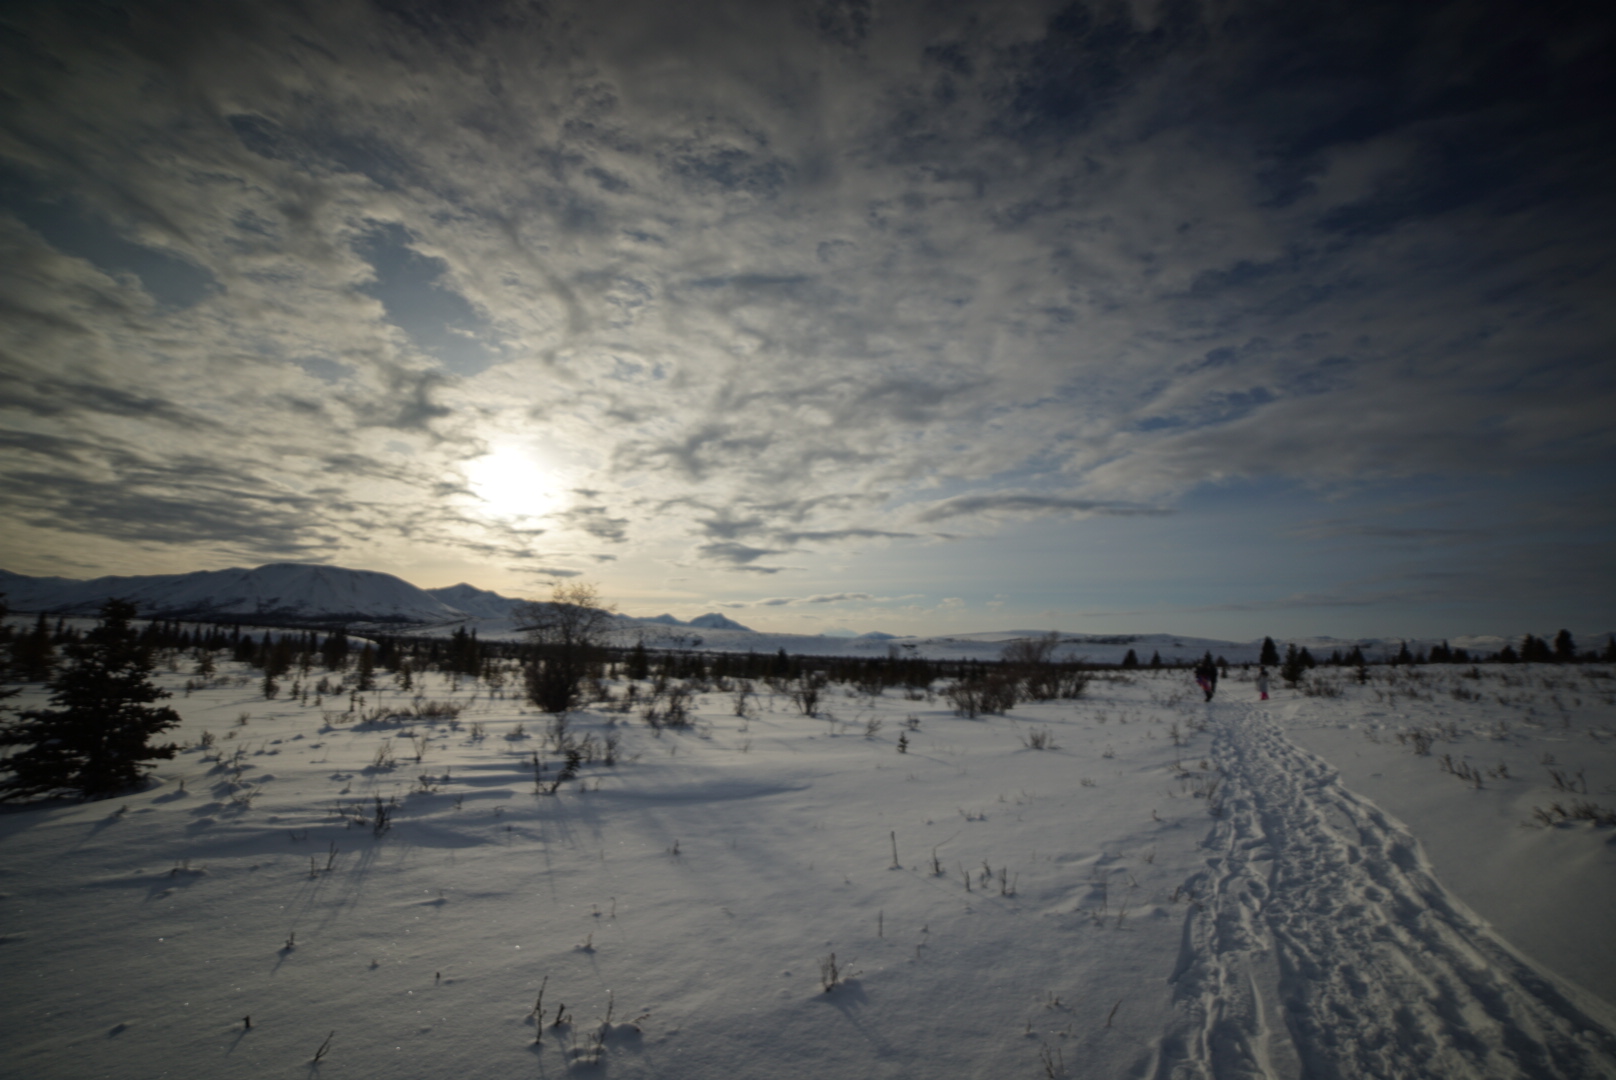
[(906, 266), (1021, 503)]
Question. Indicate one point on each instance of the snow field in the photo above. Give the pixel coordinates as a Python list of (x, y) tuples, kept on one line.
[(170, 911), (1185, 891)]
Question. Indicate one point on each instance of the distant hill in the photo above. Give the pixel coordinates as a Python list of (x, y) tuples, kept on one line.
[(480, 603), (290, 594), (714, 621), (278, 592)]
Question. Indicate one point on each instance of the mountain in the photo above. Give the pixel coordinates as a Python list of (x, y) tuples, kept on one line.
[(278, 592), (284, 594), (714, 621), (480, 603)]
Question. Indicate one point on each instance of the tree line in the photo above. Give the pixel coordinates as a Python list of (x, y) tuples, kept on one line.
[(97, 736)]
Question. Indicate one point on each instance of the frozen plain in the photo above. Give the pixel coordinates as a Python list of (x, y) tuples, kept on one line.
[(1166, 889)]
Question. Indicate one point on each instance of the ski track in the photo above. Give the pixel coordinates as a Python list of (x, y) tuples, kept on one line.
[(1322, 945)]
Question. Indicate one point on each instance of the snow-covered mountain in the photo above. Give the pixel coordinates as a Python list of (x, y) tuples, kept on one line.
[(279, 592), (714, 621), (478, 603), (297, 593)]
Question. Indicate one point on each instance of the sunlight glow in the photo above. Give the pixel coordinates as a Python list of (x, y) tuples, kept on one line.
[(512, 482)]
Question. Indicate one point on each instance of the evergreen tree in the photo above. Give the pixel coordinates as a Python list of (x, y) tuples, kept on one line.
[(1565, 649), (335, 651), (1535, 650), (5, 654), (1270, 653), (1609, 656), (367, 668), (1155, 659), (33, 654), (1403, 655), (465, 653), (1294, 667), (1131, 660), (639, 665), (98, 738)]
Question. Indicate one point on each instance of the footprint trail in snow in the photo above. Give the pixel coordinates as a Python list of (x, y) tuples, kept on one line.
[(1322, 945)]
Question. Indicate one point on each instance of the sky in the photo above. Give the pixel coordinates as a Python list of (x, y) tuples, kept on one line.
[(1222, 318)]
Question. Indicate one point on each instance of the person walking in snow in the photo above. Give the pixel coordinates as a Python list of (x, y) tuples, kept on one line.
[(1262, 683), (1206, 676)]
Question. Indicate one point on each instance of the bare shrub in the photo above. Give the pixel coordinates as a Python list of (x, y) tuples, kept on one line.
[(807, 693)]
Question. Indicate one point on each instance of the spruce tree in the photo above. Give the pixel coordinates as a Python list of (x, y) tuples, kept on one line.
[(1270, 653), (1294, 667), (639, 665), (367, 668), (1565, 647), (1131, 660), (97, 740), (34, 654), (1535, 650), (5, 654)]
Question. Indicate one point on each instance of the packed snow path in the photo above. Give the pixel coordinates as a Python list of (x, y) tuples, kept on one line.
[(1323, 946)]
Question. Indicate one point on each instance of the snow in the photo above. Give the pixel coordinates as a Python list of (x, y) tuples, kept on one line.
[(1256, 889), (714, 621), (479, 603), (289, 591), (368, 601)]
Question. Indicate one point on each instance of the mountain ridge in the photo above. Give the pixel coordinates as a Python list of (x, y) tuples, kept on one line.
[(314, 594)]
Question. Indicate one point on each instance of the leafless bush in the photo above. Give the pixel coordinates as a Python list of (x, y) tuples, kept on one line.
[(1581, 810), (993, 694), (1039, 739), (1573, 783), (808, 691), (1462, 769), (832, 974), (677, 714), (1418, 739)]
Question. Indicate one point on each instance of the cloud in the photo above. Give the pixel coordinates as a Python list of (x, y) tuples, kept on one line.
[(822, 598), (595, 521), (905, 266), (828, 536), (1027, 505), (735, 554)]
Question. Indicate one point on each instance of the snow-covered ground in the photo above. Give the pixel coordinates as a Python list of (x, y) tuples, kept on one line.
[(1165, 889)]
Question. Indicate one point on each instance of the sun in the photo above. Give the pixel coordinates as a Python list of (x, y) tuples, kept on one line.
[(512, 482)]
